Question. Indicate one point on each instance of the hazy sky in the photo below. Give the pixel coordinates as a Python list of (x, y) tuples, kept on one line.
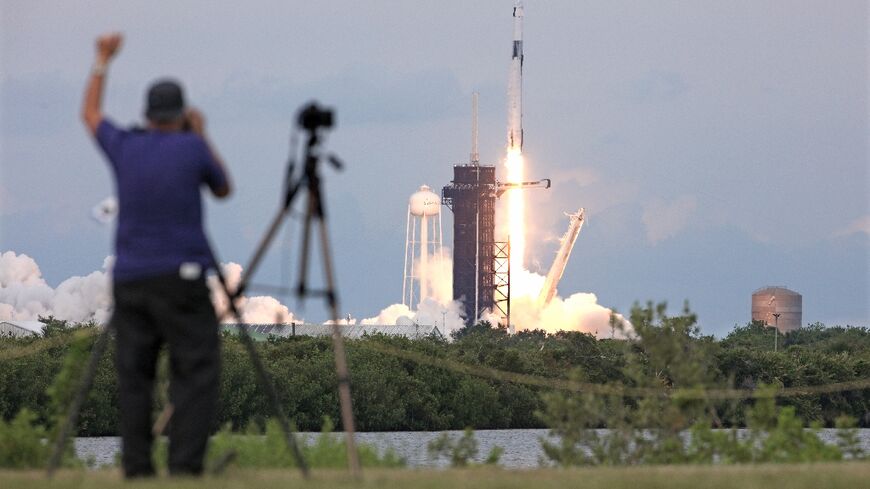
[(717, 146)]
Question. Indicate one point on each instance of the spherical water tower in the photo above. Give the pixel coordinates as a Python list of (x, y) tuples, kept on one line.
[(778, 306), (422, 242)]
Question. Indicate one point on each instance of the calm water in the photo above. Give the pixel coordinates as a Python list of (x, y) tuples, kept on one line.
[(522, 448)]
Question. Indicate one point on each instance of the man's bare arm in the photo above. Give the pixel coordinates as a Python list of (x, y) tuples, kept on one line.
[(107, 46), (197, 124)]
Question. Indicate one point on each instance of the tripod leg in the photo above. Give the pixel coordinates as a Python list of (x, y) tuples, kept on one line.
[(273, 398), (263, 376), (340, 356), (75, 407)]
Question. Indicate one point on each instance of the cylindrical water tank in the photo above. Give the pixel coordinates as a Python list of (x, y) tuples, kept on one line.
[(768, 301), (424, 202)]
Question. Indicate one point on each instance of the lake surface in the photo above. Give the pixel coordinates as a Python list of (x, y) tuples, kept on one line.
[(522, 448)]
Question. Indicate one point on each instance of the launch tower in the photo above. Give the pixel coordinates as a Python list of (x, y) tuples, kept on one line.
[(471, 196)]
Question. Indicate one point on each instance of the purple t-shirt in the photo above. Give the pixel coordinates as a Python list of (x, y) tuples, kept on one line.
[(158, 177)]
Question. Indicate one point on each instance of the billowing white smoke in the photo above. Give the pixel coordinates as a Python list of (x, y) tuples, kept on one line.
[(254, 310), (579, 312), (24, 294), (390, 315), (438, 271), (447, 316), (438, 309)]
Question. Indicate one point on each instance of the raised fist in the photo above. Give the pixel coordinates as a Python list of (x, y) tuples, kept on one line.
[(108, 45)]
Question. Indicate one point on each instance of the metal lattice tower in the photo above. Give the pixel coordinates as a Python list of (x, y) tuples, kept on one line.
[(502, 277)]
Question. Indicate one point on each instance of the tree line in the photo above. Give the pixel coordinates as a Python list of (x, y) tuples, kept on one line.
[(397, 393)]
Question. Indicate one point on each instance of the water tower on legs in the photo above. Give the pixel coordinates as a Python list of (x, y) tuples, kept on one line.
[(422, 245)]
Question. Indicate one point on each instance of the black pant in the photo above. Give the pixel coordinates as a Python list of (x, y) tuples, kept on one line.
[(149, 312)]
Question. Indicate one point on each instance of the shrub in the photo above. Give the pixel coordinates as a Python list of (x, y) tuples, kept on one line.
[(22, 443), (268, 449)]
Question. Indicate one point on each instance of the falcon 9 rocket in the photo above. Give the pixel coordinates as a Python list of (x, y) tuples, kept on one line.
[(515, 84)]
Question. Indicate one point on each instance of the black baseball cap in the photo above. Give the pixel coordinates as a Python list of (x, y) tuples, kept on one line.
[(165, 101)]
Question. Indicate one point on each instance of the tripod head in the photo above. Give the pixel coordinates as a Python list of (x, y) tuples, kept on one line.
[(312, 117), (313, 120)]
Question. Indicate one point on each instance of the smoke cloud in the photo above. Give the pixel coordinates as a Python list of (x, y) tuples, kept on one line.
[(254, 310), (439, 273), (578, 312), (24, 294), (438, 309)]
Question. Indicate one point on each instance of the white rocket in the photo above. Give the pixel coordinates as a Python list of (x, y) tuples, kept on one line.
[(515, 84)]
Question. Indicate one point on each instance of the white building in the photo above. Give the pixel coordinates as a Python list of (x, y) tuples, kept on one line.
[(263, 331), (20, 328)]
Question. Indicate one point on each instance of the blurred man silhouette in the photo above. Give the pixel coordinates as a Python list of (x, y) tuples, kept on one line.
[(162, 256)]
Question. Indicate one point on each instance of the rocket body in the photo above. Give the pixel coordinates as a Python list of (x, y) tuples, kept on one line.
[(515, 84), (514, 161)]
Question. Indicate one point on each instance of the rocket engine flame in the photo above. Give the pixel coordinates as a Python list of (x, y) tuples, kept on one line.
[(514, 162), (516, 209)]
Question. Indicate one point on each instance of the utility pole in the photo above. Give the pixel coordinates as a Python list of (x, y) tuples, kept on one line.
[(772, 312), (775, 330)]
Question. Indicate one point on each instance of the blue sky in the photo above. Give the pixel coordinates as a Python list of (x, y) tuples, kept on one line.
[(717, 146)]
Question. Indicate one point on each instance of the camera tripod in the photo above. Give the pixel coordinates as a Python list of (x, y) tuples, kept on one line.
[(311, 119)]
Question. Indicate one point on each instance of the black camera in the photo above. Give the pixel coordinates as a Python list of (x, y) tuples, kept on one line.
[(312, 117)]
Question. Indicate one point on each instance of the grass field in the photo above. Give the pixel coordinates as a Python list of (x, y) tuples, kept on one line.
[(852, 475)]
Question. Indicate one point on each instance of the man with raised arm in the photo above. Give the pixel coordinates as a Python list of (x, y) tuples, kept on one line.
[(159, 275)]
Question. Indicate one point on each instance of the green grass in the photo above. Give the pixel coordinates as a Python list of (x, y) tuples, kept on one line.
[(835, 475)]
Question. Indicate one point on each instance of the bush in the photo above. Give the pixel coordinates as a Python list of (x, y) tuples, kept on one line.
[(673, 422), (22, 443)]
